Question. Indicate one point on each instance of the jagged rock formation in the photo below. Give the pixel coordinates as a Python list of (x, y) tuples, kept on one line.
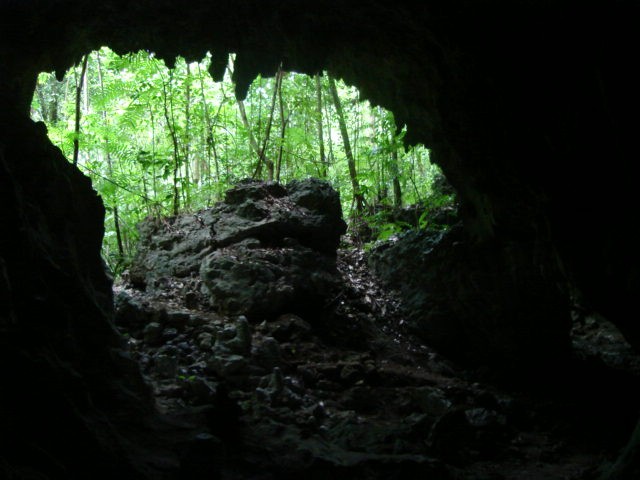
[(387, 407), (467, 299), (266, 250), (529, 107)]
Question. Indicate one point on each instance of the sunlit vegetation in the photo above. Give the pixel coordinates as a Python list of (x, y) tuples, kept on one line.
[(159, 141)]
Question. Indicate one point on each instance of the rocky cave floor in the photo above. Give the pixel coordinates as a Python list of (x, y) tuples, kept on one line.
[(363, 399)]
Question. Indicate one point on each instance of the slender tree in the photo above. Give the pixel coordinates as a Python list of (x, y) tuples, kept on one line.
[(154, 177), (283, 126), (50, 96), (170, 120), (323, 158), (79, 83), (105, 119), (252, 139), (209, 138), (262, 152), (187, 137), (395, 172), (358, 197), (263, 157)]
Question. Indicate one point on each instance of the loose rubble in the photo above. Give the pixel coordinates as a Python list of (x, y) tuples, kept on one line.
[(341, 390)]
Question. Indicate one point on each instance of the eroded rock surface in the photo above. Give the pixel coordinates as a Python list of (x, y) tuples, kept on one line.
[(266, 250), (454, 292), (279, 400), (224, 333)]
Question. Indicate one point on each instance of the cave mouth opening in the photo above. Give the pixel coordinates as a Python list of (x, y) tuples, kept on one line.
[(466, 51), (158, 140)]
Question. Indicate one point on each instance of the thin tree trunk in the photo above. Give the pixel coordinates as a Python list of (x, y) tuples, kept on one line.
[(154, 181), (412, 177), (209, 137), (105, 119), (327, 114), (67, 81), (44, 110), (85, 87), (323, 157), (145, 188), (269, 163), (263, 159), (178, 181), (235, 146), (253, 144), (395, 172), (357, 194), (252, 140), (283, 129), (355, 133), (251, 115), (375, 164), (186, 187), (79, 83), (174, 140), (49, 106), (54, 105)]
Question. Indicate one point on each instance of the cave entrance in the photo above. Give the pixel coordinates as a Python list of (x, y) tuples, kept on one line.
[(157, 141)]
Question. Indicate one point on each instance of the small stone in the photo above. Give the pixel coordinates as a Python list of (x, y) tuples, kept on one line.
[(319, 412), (205, 341), (431, 400), (166, 366), (177, 319), (351, 373), (328, 386), (227, 333), (169, 333), (290, 327), (309, 376), (160, 316), (482, 417), (268, 354), (227, 366), (130, 312), (191, 300), (152, 333), (241, 342), (276, 382), (243, 334), (170, 350), (249, 243), (196, 321), (202, 389)]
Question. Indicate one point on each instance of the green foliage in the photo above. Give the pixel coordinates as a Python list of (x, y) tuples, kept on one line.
[(387, 230), (154, 139), (423, 220)]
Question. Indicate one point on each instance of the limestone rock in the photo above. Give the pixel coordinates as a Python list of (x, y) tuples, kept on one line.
[(266, 250), (265, 282), (152, 333), (454, 289), (229, 367)]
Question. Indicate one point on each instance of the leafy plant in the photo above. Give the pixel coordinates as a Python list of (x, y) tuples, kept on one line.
[(157, 141)]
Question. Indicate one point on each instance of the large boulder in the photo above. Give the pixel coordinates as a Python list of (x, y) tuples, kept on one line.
[(267, 249), (488, 303), (248, 278)]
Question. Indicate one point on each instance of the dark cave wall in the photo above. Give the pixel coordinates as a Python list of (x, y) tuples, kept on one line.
[(527, 106), (65, 372)]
